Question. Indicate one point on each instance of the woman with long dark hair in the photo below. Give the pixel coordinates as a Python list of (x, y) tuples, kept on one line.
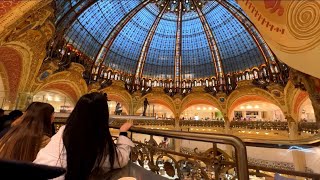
[(85, 144), (24, 140)]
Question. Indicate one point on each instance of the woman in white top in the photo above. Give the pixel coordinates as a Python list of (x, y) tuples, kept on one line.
[(85, 144)]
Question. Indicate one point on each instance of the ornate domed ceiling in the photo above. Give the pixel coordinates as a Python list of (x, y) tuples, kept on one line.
[(163, 39)]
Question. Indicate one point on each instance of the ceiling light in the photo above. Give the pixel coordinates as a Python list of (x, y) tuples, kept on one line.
[(256, 107), (199, 3), (176, 9), (191, 7), (174, 1), (242, 107), (162, 4), (49, 98), (249, 107), (210, 108)]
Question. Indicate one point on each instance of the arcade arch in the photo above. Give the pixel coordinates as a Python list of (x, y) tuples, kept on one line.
[(257, 111), (157, 110), (306, 111), (201, 112), (60, 101)]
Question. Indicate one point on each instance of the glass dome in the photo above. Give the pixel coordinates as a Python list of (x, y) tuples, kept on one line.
[(163, 39)]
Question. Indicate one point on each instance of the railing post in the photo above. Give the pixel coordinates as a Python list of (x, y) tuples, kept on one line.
[(299, 158), (227, 130), (177, 123)]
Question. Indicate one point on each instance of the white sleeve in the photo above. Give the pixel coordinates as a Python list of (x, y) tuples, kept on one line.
[(53, 154), (123, 148)]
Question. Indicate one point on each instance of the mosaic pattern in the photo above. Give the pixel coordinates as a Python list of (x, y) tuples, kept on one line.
[(7, 5)]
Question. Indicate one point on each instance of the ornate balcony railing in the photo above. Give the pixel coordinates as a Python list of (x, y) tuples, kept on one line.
[(189, 123), (309, 127), (305, 127), (266, 125), (213, 163)]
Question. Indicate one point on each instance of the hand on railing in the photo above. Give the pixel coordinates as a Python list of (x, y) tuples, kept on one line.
[(125, 127)]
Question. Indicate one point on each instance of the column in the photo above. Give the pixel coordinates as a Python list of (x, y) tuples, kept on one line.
[(227, 130), (259, 116), (298, 157), (244, 114), (177, 122), (23, 100)]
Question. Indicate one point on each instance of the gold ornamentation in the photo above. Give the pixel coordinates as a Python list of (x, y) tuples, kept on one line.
[(304, 19)]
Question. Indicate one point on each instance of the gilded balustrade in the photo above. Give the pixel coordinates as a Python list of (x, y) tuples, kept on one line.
[(213, 163), (304, 127)]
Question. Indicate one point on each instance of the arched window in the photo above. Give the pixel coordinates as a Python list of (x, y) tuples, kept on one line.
[(247, 75), (276, 69), (109, 74), (149, 83), (255, 74)]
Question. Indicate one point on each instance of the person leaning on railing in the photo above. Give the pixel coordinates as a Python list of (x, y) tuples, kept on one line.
[(85, 145)]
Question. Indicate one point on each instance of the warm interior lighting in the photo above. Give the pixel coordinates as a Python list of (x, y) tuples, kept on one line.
[(249, 107), (49, 98), (256, 107), (242, 107)]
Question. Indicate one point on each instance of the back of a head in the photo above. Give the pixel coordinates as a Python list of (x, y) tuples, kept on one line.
[(1, 112), (86, 136), (25, 138), (15, 114)]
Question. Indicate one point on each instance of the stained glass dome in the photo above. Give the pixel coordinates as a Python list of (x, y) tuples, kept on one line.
[(163, 39)]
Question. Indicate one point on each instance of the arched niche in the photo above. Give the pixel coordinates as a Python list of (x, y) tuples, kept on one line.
[(306, 111), (112, 106), (158, 110), (257, 111), (3, 92), (201, 112), (118, 96), (60, 101), (156, 99), (10, 70), (194, 99)]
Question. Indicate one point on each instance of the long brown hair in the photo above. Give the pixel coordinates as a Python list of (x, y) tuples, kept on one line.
[(23, 141)]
